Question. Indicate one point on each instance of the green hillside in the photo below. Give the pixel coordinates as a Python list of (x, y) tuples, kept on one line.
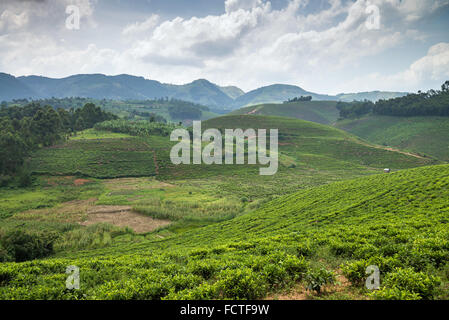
[(323, 112), (371, 96), (310, 154), (140, 227), (424, 135), (397, 222), (276, 93)]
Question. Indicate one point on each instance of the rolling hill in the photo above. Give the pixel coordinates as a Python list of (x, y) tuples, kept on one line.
[(371, 96), (12, 88), (424, 135), (233, 91), (276, 93), (127, 87), (397, 222), (324, 112), (310, 154)]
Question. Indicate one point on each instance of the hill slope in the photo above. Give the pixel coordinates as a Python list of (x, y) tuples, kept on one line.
[(276, 93), (126, 87), (397, 222), (372, 96), (324, 112), (426, 135), (11, 88)]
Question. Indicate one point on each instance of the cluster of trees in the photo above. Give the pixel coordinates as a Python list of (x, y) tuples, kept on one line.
[(24, 129), (136, 128), (430, 103), (185, 112), (299, 99), (356, 109), (150, 116)]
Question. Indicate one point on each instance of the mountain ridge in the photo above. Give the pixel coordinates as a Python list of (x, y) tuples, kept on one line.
[(129, 87)]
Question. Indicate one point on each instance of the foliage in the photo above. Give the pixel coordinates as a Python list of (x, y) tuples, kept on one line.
[(431, 103), (136, 128), (22, 246), (317, 279), (24, 129), (301, 98)]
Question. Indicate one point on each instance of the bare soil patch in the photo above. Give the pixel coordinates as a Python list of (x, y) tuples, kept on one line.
[(86, 213), (80, 182), (122, 216)]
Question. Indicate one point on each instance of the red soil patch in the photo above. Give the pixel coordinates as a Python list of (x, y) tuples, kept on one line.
[(80, 182)]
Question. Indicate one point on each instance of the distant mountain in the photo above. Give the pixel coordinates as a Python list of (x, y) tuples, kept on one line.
[(324, 112), (127, 87), (373, 96), (232, 91), (12, 88), (121, 87), (276, 93), (201, 91), (97, 86)]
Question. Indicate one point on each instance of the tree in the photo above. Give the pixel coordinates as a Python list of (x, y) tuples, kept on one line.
[(13, 152)]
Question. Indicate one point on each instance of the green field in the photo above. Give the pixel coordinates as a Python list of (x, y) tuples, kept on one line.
[(397, 221), (324, 112), (96, 157), (224, 231), (423, 135)]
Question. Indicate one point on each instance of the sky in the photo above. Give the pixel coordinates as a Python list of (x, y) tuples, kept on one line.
[(323, 46)]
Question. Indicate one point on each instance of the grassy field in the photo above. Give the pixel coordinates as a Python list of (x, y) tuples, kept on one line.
[(324, 112), (424, 135), (397, 222), (224, 231), (99, 155)]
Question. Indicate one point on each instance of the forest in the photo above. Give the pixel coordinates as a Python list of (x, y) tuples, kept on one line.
[(25, 129), (430, 103)]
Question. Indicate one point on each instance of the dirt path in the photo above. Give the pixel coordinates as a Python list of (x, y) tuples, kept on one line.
[(392, 149), (254, 111)]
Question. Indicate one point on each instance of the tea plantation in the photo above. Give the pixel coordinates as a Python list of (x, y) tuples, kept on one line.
[(398, 222)]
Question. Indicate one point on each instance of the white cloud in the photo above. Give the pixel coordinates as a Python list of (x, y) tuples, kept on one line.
[(234, 5), (249, 45), (10, 21), (432, 68), (141, 27)]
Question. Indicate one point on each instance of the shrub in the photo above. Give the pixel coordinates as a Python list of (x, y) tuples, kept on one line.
[(275, 274), (295, 267), (4, 255), (394, 294), (316, 279), (23, 246), (305, 250), (204, 268), (241, 284), (355, 272), (407, 279)]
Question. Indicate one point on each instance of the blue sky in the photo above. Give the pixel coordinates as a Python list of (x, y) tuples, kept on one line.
[(326, 46)]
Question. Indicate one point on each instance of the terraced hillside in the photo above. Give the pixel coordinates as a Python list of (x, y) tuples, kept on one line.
[(309, 154), (308, 239), (424, 135), (324, 112)]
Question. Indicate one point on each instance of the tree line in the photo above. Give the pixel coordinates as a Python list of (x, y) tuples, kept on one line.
[(299, 99), (430, 103), (27, 128)]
